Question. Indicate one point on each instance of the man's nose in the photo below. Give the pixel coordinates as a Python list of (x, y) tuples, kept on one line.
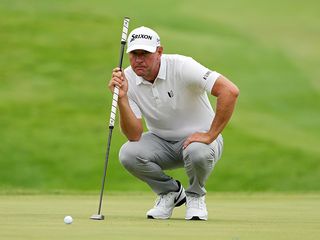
[(139, 58)]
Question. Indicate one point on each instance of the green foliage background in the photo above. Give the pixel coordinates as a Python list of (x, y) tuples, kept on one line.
[(56, 58)]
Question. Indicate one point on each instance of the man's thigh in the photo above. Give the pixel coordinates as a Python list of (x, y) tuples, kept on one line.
[(151, 148)]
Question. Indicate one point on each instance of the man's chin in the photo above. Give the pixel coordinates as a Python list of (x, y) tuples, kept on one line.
[(140, 73)]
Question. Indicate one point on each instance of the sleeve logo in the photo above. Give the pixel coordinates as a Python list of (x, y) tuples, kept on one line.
[(205, 77)]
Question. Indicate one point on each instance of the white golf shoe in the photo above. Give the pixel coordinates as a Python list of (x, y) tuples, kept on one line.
[(196, 208), (166, 203)]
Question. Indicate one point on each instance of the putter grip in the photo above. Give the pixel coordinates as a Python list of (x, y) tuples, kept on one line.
[(125, 29), (116, 89)]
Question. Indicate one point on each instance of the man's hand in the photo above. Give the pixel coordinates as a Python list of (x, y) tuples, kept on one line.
[(118, 79), (198, 137)]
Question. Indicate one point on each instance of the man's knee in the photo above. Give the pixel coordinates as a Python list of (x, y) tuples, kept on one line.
[(132, 153), (127, 155), (199, 154)]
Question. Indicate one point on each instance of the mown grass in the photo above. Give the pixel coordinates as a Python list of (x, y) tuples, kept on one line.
[(231, 216), (56, 58)]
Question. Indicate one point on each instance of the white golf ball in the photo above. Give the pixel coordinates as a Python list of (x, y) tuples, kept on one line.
[(68, 220)]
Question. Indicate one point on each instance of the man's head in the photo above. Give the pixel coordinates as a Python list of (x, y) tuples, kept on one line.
[(143, 38), (145, 52)]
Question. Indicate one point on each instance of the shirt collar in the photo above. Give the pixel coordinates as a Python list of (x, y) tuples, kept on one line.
[(161, 75)]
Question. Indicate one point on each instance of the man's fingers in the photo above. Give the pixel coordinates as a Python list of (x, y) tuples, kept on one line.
[(195, 137), (198, 137), (117, 78), (116, 69), (187, 142), (117, 74), (115, 82)]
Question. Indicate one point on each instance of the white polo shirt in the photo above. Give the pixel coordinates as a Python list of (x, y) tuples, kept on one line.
[(176, 104)]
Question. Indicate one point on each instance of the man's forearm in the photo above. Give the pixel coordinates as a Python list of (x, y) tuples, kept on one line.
[(226, 102), (131, 126)]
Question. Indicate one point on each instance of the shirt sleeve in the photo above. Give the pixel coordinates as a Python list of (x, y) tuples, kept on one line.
[(193, 73)]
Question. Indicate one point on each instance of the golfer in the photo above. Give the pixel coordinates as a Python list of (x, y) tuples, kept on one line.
[(170, 93)]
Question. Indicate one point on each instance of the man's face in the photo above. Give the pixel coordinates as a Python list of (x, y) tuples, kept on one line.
[(145, 64)]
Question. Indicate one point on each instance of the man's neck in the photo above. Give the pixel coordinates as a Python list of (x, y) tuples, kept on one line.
[(153, 77)]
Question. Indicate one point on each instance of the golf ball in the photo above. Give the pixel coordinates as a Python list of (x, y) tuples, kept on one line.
[(68, 220)]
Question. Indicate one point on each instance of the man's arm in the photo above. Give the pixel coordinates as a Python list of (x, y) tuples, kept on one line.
[(131, 126), (227, 94)]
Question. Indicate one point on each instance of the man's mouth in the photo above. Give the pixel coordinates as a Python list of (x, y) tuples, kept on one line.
[(140, 68)]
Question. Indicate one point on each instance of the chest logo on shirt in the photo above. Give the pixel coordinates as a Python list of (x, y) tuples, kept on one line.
[(170, 93)]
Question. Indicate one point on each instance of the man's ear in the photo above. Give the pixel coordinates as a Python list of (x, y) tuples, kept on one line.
[(160, 50)]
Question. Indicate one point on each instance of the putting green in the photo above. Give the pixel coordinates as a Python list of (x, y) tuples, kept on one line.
[(231, 216)]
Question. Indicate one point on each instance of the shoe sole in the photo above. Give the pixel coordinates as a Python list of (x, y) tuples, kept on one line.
[(200, 218), (196, 218), (161, 218)]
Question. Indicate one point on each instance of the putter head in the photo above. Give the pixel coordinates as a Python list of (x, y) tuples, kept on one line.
[(97, 217)]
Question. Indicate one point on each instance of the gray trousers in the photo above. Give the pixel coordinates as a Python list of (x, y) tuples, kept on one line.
[(147, 158)]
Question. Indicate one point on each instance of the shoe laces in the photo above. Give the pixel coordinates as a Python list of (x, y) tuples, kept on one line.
[(196, 202), (165, 200)]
